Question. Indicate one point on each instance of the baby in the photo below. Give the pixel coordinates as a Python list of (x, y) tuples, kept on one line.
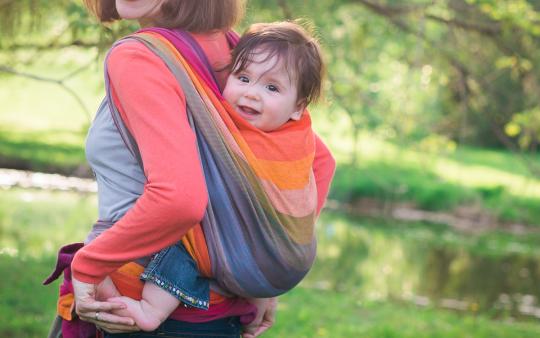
[(276, 71)]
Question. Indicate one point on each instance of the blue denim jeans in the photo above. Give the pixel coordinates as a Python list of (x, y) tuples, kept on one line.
[(220, 328), (175, 271)]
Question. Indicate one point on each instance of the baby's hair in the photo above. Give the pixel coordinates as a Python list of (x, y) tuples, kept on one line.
[(190, 15), (293, 45)]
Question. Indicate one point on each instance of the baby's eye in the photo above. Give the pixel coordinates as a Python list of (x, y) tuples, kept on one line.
[(272, 88), (243, 78)]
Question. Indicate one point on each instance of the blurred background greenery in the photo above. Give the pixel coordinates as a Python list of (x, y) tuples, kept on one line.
[(432, 109)]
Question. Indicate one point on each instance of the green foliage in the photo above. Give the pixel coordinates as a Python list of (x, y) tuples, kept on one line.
[(398, 181), (23, 16), (40, 151), (392, 182), (463, 69), (525, 126), (510, 208)]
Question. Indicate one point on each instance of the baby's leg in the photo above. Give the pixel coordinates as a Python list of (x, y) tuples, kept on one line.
[(106, 289), (155, 306)]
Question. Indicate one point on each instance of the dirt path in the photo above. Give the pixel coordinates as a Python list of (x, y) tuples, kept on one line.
[(10, 178), (471, 219)]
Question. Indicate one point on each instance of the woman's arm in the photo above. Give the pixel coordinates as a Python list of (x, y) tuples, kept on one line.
[(152, 106)]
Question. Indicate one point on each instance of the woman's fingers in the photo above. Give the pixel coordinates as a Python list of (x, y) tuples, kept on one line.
[(115, 319), (266, 314), (262, 328), (96, 306), (269, 317), (106, 318), (85, 300), (249, 331), (99, 313), (117, 328)]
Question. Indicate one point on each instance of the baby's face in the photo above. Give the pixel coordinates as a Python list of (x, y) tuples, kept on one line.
[(264, 94)]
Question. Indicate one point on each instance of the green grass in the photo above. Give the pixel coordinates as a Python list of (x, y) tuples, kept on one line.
[(331, 314), (301, 313), (409, 182), (27, 307), (33, 224), (45, 151), (394, 182)]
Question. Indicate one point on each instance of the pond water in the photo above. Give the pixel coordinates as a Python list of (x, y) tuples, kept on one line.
[(429, 265)]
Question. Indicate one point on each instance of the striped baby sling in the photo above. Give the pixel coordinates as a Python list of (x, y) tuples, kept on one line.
[(257, 237)]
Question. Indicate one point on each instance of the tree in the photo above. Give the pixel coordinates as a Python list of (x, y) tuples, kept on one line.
[(464, 69)]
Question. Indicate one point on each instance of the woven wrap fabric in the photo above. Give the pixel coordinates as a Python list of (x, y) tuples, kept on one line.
[(257, 236)]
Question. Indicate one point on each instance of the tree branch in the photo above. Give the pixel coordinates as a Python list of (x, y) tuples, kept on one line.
[(55, 45), (5, 2), (394, 10), (60, 83), (287, 13), (471, 26)]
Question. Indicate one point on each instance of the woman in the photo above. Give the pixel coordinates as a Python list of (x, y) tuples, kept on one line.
[(146, 211)]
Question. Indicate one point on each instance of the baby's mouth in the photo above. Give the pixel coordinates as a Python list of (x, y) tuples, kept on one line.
[(248, 111)]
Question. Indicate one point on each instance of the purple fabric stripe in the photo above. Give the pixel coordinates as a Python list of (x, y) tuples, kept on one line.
[(188, 48), (191, 42), (74, 328), (232, 38), (65, 255)]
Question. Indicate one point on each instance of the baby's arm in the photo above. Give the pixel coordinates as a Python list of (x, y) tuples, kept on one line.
[(155, 306)]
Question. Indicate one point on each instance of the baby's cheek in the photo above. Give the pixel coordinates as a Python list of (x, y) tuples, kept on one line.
[(227, 95)]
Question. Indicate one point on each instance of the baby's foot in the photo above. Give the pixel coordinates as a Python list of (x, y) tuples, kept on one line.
[(146, 317)]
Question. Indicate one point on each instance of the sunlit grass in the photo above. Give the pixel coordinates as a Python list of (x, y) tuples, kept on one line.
[(31, 105), (466, 166), (33, 226), (371, 273), (36, 223), (330, 314), (483, 176), (46, 151)]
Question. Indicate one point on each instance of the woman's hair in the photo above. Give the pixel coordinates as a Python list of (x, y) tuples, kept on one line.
[(293, 45), (191, 15)]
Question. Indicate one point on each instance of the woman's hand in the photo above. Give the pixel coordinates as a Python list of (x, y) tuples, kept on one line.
[(266, 316), (99, 313)]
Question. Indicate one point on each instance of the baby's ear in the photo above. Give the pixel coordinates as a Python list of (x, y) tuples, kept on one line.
[(297, 115), (300, 107)]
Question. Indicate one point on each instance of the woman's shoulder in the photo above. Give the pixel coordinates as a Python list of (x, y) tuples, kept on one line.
[(128, 53)]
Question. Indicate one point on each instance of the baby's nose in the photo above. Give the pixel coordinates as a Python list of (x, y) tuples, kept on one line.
[(252, 93)]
